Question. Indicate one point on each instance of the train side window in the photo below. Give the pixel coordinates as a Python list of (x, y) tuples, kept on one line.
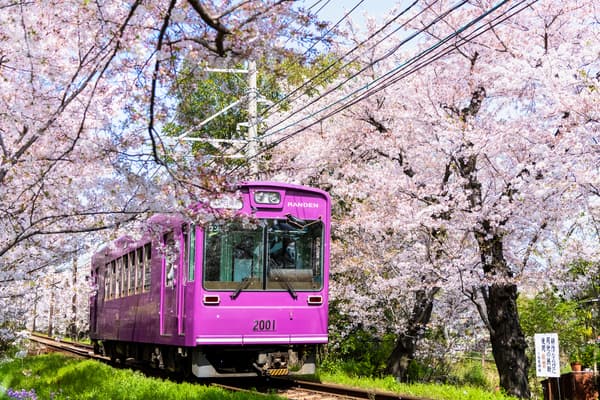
[(170, 258), (125, 269), (147, 266), (94, 281), (132, 273), (116, 279), (123, 277), (191, 253), (107, 281), (139, 282), (113, 278)]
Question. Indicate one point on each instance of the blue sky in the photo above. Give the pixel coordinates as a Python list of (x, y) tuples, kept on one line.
[(333, 10)]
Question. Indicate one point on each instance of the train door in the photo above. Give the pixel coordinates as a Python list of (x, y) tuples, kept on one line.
[(171, 294)]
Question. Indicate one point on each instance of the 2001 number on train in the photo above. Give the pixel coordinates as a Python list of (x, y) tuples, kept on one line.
[(264, 325)]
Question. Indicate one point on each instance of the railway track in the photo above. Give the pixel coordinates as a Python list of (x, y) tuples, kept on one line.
[(307, 390), (287, 388), (74, 348)]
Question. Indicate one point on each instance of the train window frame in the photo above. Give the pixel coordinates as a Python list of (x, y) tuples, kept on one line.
[(131, 288), (107, 280), (191, 252), (303, 269), (139, 273), (124, 275), (118, 278), (226, 241), (169, 258), (113, 277), (147, 267)]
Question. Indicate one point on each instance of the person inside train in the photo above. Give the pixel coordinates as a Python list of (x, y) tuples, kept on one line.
[(282, 252)]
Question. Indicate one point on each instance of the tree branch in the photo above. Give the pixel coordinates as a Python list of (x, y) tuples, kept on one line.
[(159, 44), (214, 23)]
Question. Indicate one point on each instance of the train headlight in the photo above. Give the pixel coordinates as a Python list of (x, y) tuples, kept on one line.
[(262, 197)]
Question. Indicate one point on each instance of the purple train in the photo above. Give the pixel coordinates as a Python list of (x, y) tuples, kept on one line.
[(238, 298)]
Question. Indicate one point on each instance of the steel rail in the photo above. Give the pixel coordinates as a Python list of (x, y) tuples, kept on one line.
[(78, 349), (345, 392)]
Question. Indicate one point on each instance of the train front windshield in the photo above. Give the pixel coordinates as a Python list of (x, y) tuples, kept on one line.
[(273, 255)]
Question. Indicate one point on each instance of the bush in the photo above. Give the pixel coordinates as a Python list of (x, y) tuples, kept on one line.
[(475, 376), (11, 339), (360, 354), (590, 354)]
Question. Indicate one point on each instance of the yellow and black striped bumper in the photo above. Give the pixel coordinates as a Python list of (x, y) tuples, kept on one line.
[(277, 371)]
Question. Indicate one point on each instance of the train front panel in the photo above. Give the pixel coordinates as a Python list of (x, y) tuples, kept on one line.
[(262, 298)]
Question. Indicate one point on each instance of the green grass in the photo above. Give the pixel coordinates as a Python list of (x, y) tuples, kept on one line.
[(58, 377), (431, 391)]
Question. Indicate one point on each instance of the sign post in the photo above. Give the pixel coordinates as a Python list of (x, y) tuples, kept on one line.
[(547, 362)]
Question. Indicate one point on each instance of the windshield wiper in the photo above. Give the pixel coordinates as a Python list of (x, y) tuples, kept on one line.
[(290, 289), (286, 283), (242, 285)]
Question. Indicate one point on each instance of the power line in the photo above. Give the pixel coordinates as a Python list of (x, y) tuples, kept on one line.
[(320, 8), (307, 83), (332, 90), (424, 58), (401, 72), (371, 86), (334, 26), (370, 65), (462, 40)]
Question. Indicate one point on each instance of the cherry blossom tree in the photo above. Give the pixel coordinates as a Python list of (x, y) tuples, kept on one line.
[(472, 165), (82, 88)]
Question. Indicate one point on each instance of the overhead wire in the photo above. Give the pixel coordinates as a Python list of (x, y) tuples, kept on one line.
[(354, 75), (371, 64), (346, 15), (334, 26), (320, 8), (400, 72), (395, 75), (462, 40), (307, 84)]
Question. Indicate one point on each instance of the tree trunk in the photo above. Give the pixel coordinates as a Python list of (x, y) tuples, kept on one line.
[(508, 341), (406, 344), (73, 329), (501, 315), (51, 312)]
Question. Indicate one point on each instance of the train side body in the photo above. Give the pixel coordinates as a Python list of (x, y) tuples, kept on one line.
[(216, 300)]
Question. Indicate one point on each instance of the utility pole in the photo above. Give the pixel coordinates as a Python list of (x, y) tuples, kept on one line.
[(252, 98)]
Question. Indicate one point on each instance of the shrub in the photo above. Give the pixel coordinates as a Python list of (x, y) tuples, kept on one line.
[(360, 354)]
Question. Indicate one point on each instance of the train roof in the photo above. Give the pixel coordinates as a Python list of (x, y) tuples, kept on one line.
[(126, 243)]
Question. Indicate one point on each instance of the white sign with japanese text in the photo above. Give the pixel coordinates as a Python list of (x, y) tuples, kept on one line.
[(547, 363)]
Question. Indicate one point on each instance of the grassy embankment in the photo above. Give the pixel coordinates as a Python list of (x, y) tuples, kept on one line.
[(57, 377)]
